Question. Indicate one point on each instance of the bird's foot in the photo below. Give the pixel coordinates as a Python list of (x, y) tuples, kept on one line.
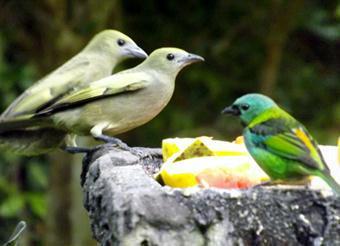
[(118, 143), (266, 183), (147, 152), (141, 152), (76, 150), (115, 141)]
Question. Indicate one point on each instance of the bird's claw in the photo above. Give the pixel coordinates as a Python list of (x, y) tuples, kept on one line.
[(145, 152), (138, 152), (265, 183), (115, 141)]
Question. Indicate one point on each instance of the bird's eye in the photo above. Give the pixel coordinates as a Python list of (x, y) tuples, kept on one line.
[(244, 107), (170, 56), (120, 42)]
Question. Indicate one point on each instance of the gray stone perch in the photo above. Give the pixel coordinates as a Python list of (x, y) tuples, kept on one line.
[(128, 207)]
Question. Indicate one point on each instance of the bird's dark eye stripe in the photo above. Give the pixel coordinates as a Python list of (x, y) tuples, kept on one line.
[(170, 56), (235, 107), (120, 42)]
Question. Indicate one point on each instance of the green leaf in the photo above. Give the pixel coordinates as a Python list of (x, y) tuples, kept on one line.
[(6, 186), (38, 175), (37, 203), (12, 206)]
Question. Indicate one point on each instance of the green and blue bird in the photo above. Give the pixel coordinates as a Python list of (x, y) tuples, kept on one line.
[(279, 143)]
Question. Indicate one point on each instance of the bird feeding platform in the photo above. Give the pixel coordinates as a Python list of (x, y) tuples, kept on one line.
[(127, 206)]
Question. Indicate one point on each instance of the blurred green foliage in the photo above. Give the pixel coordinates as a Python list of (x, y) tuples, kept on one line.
[(296, 46)]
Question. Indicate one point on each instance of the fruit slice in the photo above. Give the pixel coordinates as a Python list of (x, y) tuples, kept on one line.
[(331, 156), (222, 178), (196, 149), (239, 140), (234, 171), (200, 145), (339, 150), (212, 163), (171, 146)]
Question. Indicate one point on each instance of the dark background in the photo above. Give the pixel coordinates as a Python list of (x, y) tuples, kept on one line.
[(288, 50)]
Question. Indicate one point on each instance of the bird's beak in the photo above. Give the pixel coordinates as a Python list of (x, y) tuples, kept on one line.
[(233, 110), (192, 58), (135, 51)]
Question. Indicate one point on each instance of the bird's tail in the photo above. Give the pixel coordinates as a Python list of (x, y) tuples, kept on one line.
[(331, 182), (31, 142), (22, 123)]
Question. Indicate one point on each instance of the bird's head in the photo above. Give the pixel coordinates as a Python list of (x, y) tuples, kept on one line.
[(249, 106), (171, 60), (116, 44)]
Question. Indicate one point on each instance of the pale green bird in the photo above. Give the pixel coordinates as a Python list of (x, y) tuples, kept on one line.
[(95, 61), (114, 104)]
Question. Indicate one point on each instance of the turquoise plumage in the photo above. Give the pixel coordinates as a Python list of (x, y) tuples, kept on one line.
[(280, 144)]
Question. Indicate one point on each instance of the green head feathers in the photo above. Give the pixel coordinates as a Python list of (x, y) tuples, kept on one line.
[(249, 106), (116, 44), (170, 60)]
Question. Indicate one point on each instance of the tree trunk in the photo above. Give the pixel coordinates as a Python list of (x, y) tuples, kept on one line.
[(282, 21), (59, 200), (68, 221)]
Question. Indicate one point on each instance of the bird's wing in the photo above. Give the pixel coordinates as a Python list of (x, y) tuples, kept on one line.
[(290, 140), (104, 88), (57, 83)]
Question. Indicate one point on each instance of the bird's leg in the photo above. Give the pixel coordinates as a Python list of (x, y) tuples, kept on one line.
[(71, 140), (71, 145), (305, 181), (270, 183), (76, 150), (121, 145), (97, 133)]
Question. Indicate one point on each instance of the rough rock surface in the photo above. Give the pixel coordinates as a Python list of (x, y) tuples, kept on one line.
[(127, 207)]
